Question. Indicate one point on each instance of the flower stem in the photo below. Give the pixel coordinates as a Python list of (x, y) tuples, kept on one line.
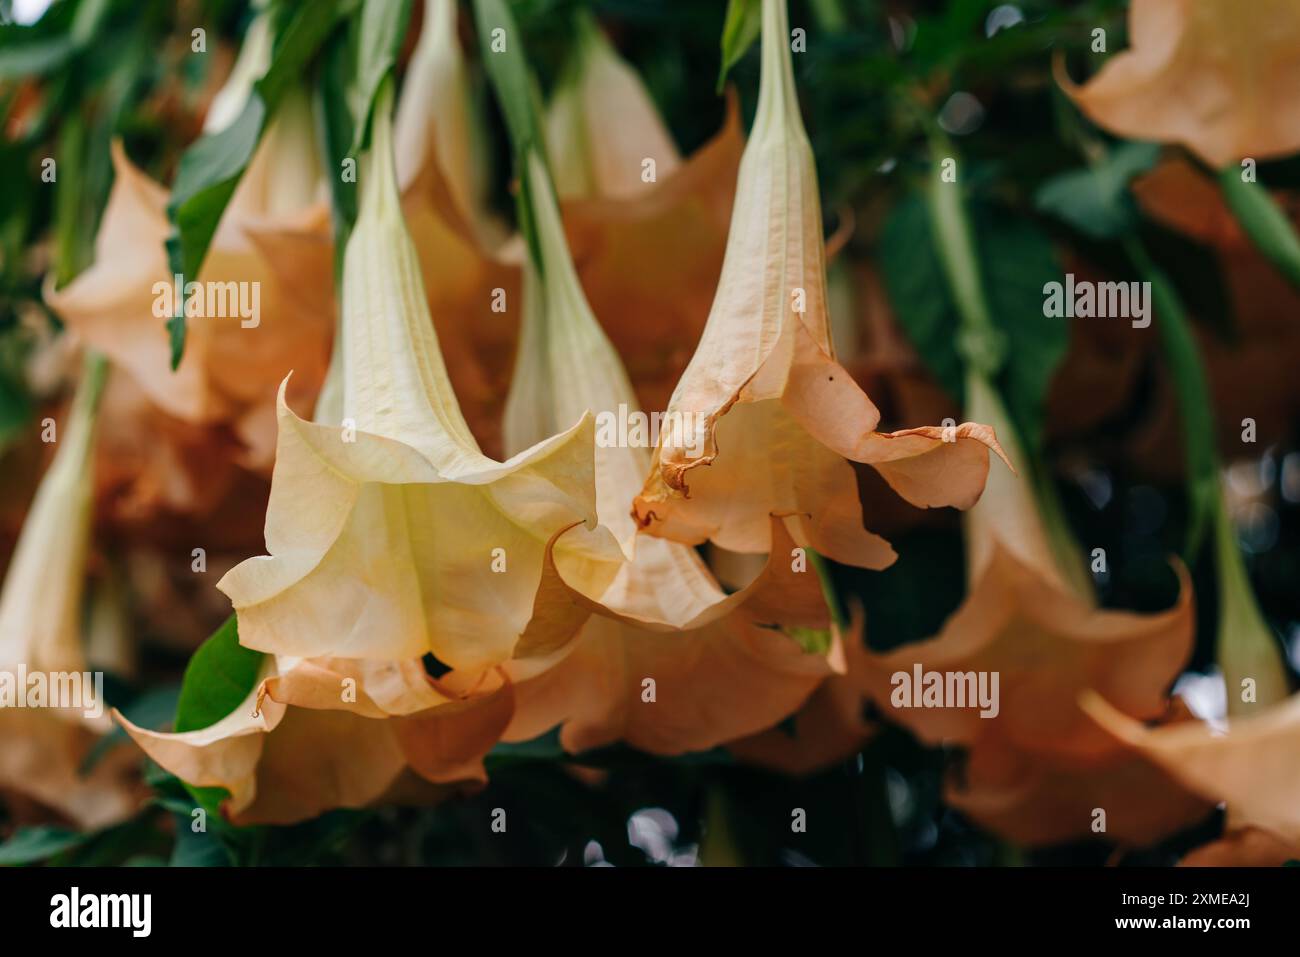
[(1190, 384), (1263, 221), (982, 347), (1247, 648), (980, 343), (833, 604)]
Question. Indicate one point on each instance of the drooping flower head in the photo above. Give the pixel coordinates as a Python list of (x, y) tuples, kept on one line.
[(391, 535), (44, 738), (636, 211), (1218, 76), (1253, 768), (468, 261), (768, 414), (669, 662), (603, 131), (263, 305), (1035, 764)]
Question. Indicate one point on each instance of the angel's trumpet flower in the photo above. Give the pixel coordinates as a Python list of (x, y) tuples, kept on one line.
[(1217, 76), (43, 737), (602, 129), (469, 266), (315, 734), (1036, 763), (636, 211), (1254, 768), (631, 675), (319, 734), (439, 141), (262, 305), (393, 536), (772, 415)]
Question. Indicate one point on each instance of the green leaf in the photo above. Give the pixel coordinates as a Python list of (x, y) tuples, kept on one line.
[(15, 409), (383, 28), (29, 51), (1096, 200), (114, 845), (73, 247), (297, 44), (339, 126), (176, 339), (36, 57), (219, 677), (32, 844), (507, 67), (1018, 261), (914, 280), (221, 674), (947, 37), (743, 24), (211, 168), (511, 78), (206, 179), (197, 848)]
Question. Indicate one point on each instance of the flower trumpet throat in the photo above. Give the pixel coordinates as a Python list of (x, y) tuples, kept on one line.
[(774, 414), (393, 536)]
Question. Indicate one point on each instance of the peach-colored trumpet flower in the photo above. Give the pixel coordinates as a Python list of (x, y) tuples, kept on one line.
[(669, 662), (1217, 76), (51, 706), (319, 734), (391, 535), (1252, 767), (604, 135), (468, 261), (1030, 622), (772, 415), (263, 303), (635, 210)]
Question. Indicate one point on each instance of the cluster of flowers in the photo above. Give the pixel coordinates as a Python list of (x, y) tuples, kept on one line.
[(557, 580)]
